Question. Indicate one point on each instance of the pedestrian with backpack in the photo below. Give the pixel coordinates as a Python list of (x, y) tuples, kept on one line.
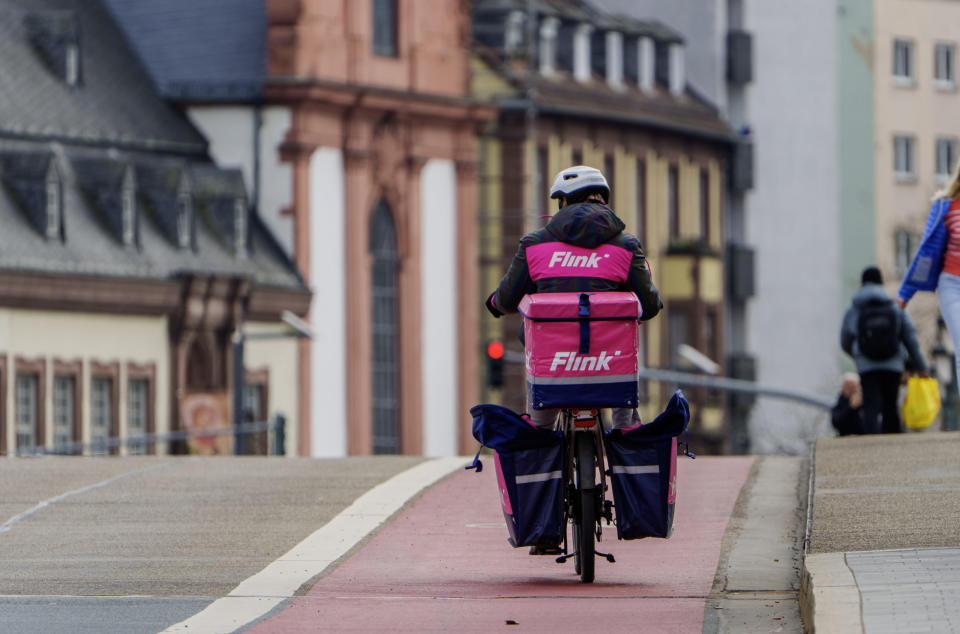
[(880, 336)]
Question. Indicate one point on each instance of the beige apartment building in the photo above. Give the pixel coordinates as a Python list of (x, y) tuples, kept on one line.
[(917, 131)]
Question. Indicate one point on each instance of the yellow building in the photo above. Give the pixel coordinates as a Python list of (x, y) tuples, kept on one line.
[(609, 93)]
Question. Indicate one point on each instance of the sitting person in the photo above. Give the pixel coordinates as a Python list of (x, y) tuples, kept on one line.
[(847, 414)]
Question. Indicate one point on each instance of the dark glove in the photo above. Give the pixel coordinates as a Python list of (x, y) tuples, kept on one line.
[(492, 307)]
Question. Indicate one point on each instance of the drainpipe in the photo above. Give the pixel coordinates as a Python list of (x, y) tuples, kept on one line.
[(531, 115)]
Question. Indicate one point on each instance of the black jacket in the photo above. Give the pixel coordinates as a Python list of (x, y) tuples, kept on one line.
[(597, 235)]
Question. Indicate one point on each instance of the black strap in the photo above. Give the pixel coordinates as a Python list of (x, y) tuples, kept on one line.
[(476, 464), (584, 314)]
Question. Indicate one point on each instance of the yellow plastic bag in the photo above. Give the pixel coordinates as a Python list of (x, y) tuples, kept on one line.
[(922, 403)]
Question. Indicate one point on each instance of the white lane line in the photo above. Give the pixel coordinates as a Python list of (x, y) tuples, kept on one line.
[(57, 498), (259, 594)]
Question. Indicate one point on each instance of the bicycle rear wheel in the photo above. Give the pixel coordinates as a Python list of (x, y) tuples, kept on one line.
[(583, 526)]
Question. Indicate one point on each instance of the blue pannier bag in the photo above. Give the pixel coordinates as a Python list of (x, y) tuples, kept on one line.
[(529, 474), (643, 467)]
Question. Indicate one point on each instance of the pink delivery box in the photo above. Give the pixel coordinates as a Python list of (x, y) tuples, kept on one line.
[(581, 349)]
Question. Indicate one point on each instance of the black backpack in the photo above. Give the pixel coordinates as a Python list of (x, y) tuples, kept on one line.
[(878, 329)]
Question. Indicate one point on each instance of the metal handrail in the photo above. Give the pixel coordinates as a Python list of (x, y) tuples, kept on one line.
[(733, 385), (277, 425)]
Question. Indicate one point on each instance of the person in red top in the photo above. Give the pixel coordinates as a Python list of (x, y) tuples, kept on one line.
[(936, 265)]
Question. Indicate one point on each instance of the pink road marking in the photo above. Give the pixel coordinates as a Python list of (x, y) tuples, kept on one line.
[(444, 565)]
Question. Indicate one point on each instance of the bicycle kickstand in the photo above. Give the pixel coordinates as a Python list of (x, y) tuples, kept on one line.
[(608, 556)]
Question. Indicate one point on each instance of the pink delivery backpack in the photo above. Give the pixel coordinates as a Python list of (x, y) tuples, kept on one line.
[(581, 349)]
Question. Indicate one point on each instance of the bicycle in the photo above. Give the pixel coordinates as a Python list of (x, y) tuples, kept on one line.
[(584, 503), (554, 482)]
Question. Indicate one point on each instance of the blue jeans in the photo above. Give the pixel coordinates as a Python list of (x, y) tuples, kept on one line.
[(948, 294)]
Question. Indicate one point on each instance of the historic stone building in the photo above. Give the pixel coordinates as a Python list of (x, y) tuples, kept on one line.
[(128, 261), (382, 144), (353, 123)]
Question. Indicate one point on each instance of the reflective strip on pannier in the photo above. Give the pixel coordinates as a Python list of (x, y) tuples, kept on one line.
[(531, 495), (529, 474), (643, 466)]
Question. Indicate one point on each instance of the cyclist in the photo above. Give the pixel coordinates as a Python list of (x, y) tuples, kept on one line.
[(586, 221)]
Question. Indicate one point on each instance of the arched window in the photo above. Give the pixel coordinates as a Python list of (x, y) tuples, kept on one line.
[(385, 331)]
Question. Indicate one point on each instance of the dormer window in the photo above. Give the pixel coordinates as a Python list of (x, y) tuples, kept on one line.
[(72, 64), (614, 44), (54, 204), (55, 36), (548, 45), (184, 216), (513, 34), (678, 78), (128, 202), (646, 64), (581, 52), (240, 227)]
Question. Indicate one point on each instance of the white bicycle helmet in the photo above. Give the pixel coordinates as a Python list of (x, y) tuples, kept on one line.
[(578, 178)]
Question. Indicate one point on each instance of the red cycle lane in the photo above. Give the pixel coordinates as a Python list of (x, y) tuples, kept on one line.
[(444, 565)]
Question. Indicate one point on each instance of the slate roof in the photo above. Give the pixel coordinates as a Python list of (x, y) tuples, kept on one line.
[(92, 246), (114, 102), (688, 115), (93, 134), (560, 94), (199, 50), (580, 11)]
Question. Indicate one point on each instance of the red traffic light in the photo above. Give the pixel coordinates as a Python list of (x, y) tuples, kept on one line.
[(495, 350)]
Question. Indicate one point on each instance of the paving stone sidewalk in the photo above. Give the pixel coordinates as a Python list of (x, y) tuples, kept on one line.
[(883, 545)]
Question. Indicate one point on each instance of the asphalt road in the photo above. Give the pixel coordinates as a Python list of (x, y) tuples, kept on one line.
[(137, 544), (140, 544)]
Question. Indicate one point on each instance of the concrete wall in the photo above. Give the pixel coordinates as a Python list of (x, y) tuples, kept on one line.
[(855, 140), (438, 239), (86, 337), (792, 214)]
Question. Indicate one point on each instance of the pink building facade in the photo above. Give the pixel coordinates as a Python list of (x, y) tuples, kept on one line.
[(382, 145)]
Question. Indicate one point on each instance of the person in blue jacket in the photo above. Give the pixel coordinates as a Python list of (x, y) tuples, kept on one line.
[(936, 266)]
